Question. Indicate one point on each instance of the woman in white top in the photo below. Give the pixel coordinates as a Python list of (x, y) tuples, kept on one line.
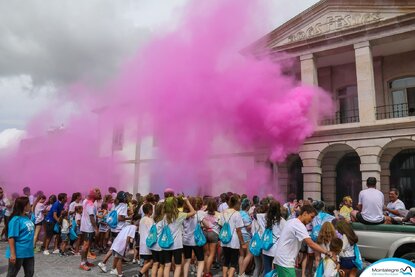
[(189, 243), (211, 230), (174, 219), (38, 209), (347, 254), (157, 269), (271, 220), (231, 250)]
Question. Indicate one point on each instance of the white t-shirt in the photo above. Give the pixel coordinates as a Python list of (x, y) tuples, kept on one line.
[(235, 221), (144, 229), (330, 269), (276, 232), (40, 207), (397, 205), (189, 227), (65, 226), (372, 201), (289, 243), (222, 207), (176, 229), (73, 205), (31, 199), (9, 210), (88, 210), (122, 209), (120, 243), (347, 249)]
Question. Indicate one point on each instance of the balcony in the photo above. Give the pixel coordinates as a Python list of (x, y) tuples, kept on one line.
[(342, 117), (394, 111)]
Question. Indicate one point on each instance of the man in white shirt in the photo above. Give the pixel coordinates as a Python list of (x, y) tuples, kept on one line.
[(26, 191), (224, 202), (396, 208), (370, 205), (289, 243)]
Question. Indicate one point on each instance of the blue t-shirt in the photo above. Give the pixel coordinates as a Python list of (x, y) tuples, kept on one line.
[(22, 229), (247, 220), (56, 207)]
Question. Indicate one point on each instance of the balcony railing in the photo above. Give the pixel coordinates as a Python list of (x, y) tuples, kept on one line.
[(394, 111), (350, 116)]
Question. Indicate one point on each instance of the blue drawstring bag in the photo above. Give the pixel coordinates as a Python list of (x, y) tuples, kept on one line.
[(255, 245), (200, 238), (267, 239), (320, 269), (358, 262), (152, 236), (272, 273), (56, 228), (166, 239), (112, 219), (225, 234), (72, 231)]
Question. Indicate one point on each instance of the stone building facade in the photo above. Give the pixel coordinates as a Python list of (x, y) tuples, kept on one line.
[(363, 54)]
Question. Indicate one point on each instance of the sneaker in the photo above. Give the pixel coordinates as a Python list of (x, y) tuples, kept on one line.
[(37, 250), (113, 272), (46, 252), (77, 254), (134, 261), (84, 267), (92, 256), (103, 267), (89, 264), (56, 251)]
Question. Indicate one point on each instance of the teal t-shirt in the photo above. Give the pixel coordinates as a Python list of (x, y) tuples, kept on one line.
[(22, 229)]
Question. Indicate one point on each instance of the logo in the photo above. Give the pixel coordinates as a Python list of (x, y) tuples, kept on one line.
[(390, 267)]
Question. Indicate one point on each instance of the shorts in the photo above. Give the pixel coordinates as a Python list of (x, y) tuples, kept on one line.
[(303, 248), (230, 257), (198, 252), (137, 240), (285, 271), (39, 224), (146, 257), (49, 226), (103, 228), (360, 218), (211, 237), (114, 235), (167, 255), (156, 256), (88, 236), (117, 255), (64, 237), (347, 262)]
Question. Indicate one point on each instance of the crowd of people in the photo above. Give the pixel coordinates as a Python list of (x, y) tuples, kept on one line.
[(193, 235)]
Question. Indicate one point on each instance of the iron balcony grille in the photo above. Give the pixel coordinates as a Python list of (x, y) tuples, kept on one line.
[(342, 117), (394, 111)]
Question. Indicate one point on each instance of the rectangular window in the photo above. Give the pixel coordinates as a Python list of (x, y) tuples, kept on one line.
[(118, 138)]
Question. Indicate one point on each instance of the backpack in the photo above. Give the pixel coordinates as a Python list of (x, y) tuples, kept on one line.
[(358, 262), (33, 218), (272, 273), (166, 238), (72, 231), (225, 234), (112, 219), (152, 236), (267, 239), (200, 238), (316, 228), (56, 228), (255, 245)]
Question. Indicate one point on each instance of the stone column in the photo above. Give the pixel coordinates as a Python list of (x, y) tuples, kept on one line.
[(369, 165), (365, 83), (308, 69), (312, 178)]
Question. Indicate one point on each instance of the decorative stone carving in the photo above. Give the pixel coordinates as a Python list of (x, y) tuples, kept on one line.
[(332, 23)]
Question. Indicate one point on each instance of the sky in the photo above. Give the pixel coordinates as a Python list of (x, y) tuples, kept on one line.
[(48, 45)]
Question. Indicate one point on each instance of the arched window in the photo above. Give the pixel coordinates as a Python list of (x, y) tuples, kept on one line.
[(348, 104), (403, 96)]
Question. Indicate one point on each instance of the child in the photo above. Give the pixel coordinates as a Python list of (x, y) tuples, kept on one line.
[(346, 208), (347, 254), (144, 228), (325, 236), (38, 209), (158, 267), (331, 265), (119, 248), (78, 215), (64, 233), (103, 228)]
